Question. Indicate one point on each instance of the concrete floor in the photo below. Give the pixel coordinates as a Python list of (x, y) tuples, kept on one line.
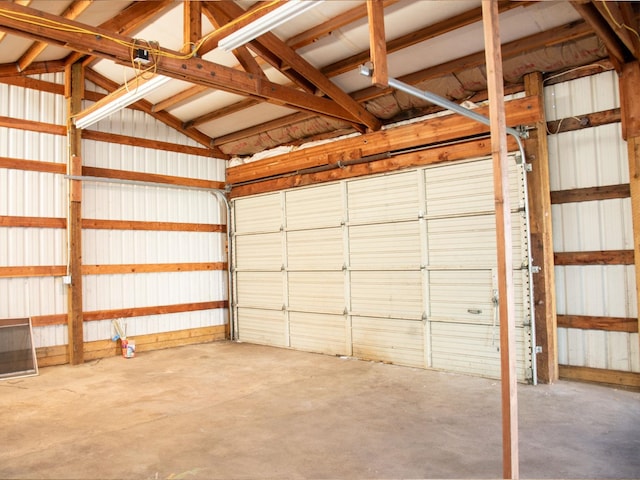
[(240, 411)]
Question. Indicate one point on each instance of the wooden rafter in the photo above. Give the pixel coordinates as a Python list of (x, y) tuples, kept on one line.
[(163, 117), (509, 50), (192, 20), (306, 70), (126, 21), (378, 44), (620, 17), (198, 71), (72, 11), (591, 15)]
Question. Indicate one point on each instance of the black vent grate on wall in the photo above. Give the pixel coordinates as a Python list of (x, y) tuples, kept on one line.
[(17, 352)]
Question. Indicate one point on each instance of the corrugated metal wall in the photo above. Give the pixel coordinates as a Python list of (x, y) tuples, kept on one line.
[(592, 157), (398, 268), (36, 194)]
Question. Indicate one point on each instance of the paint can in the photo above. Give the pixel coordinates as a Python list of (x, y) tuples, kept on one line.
[(128, 348)]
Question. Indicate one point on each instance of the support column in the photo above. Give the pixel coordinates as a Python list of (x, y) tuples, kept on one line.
[(504, 243), (630, 113), (544, 286), (74, 91)]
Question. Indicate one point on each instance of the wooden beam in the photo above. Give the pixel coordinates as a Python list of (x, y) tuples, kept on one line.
[(598, 257), (615, 17), (59, 319), (192, 24), (309, 72), (33, 271), (589, 120), (32, 165), (377, 43), (544, 301), (589, 194), (151, 177), (439, 129), (196, 70), (221, 112), (324, 29), (113, 269), (629, 80), (32, 222), (608, 324), (74, 84), (599, 375), (71, 12), (147, 143), (611, 42), (373, 166), (99, 224), (163, 117), (178, 98), (506, 305)]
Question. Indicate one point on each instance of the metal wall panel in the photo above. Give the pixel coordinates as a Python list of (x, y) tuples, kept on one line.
[(37, 194), (585, 95), (321, 333), (592, 157), (386, 198)]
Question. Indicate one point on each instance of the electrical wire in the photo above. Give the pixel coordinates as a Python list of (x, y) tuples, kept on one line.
[(616, 23)]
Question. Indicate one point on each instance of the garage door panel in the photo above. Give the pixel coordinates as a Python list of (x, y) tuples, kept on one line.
[(474, 349), (320, 249), (310, 208), (317, 292), (259, 252), (385, 245), (389, 340), (266, 327), (470, 241), (465, 296), (260, 289), (321, 333), (262, 213), (467, 188), (386, 198), (387, 293)]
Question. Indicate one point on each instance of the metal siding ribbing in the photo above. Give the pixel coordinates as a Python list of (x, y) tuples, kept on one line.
[(266, 327), (262, 213), (385, 246), (33, 194), (592, 157), (316, 292), (314, 207), (387, 293)]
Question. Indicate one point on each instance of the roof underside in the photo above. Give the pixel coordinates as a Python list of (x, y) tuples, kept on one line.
[(301, 82)]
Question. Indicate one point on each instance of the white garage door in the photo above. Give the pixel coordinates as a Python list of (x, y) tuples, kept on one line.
[(398, 268)]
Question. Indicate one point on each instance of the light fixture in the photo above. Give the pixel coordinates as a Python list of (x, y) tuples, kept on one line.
[(129, 93), (269, 21)]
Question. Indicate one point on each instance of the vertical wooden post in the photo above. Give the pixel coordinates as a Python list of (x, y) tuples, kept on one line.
[(506, 307), (378, 43), (544, 287), (74, 88), (192, 24), (630, 114)]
